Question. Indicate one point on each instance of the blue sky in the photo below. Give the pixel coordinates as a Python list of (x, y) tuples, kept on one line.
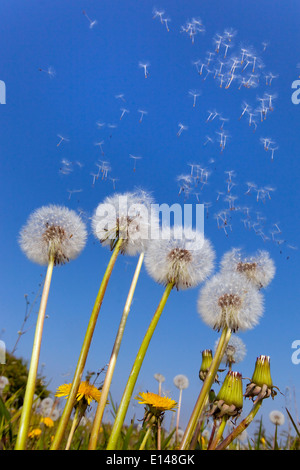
[(94, 65)]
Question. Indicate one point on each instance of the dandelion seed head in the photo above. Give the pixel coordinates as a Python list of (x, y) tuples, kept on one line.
[(230, 300), (235, 351), (53, 231), (128, 216), (259, 268), (184, 257), (276, 417), (159, 377), (181, 381)]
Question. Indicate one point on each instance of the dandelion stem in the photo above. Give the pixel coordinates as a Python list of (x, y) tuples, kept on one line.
[(122, 410), (73, 427), (241, 427), (178, 413), (209, 380), (32, 374), (219, 434), (85, 349), (113, 359), (142, 446)]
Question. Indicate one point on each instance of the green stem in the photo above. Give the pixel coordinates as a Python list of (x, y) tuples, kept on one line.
[(198, 428), (219, 433), (84, 350), (32, 374), (113, 359), (122, 410), (209, 380), (241, 427), (142, 446), (73, 427)]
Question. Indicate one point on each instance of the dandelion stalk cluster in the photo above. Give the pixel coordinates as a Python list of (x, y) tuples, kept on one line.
[(177, 258)]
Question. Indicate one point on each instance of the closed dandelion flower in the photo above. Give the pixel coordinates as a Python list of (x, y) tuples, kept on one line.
[(229, 401), (235, 351), (259, 269), (53, 231), (184, 260), (127, 216), (261, 384), (229, 300), (86, 392), (277, 418)]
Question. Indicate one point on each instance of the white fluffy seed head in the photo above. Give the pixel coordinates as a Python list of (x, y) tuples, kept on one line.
[(235, 351), (53, 231), (259, 268), (276, 417), (184, 257), (129, 216), (230, 300), (159, 377), (181, 381)]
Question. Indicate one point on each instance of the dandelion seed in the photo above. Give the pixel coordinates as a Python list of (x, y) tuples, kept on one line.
[(92, 22), (50, 71), (124, 111), (135, 158), (194, 94), (100, 145), (142, 113), (182, 127), (61, 139), (144, 66)]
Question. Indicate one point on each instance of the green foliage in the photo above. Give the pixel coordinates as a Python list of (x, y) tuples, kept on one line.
[(16, 370)]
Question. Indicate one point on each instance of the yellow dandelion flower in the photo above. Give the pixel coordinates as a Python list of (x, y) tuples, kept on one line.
[(86, 391), (48, 422), (35, 433), (153, 400)]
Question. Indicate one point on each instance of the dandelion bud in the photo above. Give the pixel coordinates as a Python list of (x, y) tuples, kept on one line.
[(229, 401), (207, 358), (261, 385)]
